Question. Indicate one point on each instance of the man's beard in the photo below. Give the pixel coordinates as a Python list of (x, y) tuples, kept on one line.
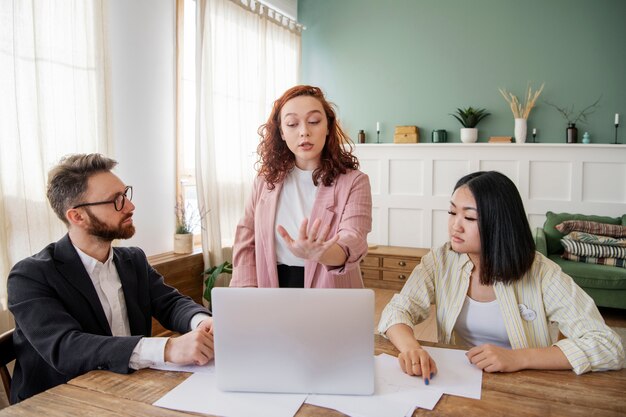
[(108, 233)]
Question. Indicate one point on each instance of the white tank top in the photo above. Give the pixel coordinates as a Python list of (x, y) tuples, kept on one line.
[(294, 204), (480, 323)]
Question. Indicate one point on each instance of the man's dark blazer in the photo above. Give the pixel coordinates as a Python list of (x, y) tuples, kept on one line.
[(60, 327)]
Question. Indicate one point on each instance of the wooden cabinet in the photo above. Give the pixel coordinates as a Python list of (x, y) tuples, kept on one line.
[(183, 272), (389, 266)]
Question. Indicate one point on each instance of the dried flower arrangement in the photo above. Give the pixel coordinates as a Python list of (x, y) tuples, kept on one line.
[(186, 218), (522, 111)]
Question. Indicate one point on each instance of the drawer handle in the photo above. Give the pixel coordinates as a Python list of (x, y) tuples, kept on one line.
[(402, 276), (362, 273), (402, 263)]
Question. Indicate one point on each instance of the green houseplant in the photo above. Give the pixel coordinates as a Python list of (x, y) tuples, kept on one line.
[(469, 118), (211, 277)]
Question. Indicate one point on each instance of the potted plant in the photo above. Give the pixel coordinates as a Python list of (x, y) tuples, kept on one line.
[(211, 277), (469, 118), (570, 115), (186, 220)]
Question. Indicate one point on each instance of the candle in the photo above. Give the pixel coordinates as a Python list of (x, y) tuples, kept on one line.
[(378, 124), (616, 118), (534, 131)]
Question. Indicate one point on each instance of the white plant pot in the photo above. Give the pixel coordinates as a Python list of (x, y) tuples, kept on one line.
[(469, 135), (183, 243)]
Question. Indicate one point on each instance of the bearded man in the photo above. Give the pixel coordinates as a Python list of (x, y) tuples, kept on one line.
[(81, 304)]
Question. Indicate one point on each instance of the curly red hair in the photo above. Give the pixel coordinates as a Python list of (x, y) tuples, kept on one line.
[(275, 158)]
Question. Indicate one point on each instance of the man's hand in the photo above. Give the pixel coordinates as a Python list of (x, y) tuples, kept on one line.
[(206, 325), (195, 347)]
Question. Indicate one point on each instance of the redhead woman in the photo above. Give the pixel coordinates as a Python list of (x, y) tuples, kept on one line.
[(310, 211), (496, 295)]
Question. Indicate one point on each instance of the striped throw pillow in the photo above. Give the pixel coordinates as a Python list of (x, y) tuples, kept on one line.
[(596, 251), (620, 263), (595, 228), (596, 239)]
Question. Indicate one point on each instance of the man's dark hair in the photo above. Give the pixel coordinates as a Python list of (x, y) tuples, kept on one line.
[(67, 181), (507, 245)]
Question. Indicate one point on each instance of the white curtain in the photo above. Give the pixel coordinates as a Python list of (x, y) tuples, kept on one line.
[(52, 89), (245, 60)]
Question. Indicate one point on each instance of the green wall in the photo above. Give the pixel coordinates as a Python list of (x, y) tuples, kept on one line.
[(412, 62)]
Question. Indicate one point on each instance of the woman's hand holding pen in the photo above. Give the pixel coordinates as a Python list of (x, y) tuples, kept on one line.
[(418, 362), (311, 245)]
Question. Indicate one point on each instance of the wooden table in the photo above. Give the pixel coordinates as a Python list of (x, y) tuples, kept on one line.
[(526, 393)]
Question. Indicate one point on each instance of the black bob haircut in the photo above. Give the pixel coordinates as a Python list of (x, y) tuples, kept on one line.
[(507, 245)]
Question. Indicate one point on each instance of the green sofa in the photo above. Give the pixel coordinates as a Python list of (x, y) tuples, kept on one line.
[(605, 284)]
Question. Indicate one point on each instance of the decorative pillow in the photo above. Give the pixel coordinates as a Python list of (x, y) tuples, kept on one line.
[(596, 239), (596, 228), (597, 251), (553, 236), (620, 263)]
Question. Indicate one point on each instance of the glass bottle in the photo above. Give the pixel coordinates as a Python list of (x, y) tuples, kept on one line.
[(571, 133), (361, 136)]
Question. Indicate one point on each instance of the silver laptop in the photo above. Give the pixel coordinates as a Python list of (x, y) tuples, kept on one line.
[(294, 340)]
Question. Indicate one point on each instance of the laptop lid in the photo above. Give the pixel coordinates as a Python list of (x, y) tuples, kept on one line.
[(294, 340)]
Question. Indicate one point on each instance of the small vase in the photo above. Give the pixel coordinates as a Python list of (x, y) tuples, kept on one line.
[(586, 138), (520, 130), (571, 133), (183, 243), (439, 135)]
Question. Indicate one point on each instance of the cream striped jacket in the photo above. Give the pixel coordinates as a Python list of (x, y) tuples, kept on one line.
[(442, 278)]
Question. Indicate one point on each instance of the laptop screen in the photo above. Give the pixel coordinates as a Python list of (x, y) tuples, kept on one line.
[(294, 340)]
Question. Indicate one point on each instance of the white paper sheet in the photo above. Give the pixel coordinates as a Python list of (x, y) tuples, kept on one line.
[(455, 374), (397, 394), (392, 398), (199, 394)]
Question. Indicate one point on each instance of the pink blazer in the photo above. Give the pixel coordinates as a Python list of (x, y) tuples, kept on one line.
[(346, 205)]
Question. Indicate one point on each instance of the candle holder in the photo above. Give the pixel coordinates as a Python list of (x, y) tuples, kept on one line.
[(378, 136), (616, 126), (534, 135)]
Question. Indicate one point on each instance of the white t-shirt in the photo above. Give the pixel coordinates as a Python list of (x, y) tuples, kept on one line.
[(295, 203), (480, 323)]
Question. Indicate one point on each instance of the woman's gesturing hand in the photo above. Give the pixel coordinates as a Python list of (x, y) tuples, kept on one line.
[(309, 245)]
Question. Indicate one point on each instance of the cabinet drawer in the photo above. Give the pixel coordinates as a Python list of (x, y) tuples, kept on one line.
[(401, 264), (370, 274), (371, 261), (396, 276)]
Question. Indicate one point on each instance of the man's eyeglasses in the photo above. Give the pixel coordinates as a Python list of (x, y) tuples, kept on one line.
[(118, 201)]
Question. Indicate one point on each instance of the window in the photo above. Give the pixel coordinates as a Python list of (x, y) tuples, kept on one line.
[(249, 56)]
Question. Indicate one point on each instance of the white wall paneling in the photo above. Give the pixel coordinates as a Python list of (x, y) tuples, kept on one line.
[(412, 184)]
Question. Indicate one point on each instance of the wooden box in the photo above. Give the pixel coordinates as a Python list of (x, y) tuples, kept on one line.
[(405, 129), (406, 134)]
